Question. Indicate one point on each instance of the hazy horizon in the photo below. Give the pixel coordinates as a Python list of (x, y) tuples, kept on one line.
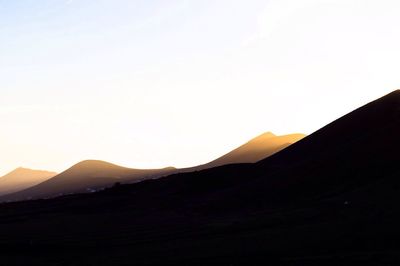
[(150, 84)]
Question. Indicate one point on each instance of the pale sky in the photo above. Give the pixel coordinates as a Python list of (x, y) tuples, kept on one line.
[(154, 83)]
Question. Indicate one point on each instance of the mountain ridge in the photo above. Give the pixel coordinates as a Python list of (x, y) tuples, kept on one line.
[(329, 199), (92, 175), (22, 178), (86, 176)]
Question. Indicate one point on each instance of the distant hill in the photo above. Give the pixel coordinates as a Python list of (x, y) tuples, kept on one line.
[(22, 178), (257, 149), (92, 175), (87, 176)]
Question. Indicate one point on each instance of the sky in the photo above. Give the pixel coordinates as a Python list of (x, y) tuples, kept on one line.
[(156, 83)]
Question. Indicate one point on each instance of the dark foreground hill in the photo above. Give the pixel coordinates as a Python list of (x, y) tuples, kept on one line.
[(330, 199)]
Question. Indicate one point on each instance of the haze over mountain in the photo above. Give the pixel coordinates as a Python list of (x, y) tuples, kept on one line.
[(22, 178), (88, 176)]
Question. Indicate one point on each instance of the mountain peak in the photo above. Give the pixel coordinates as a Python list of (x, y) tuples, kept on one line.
[(271, 137), (264, 136), (169, 168), (267, 134), (94, 164), (22, 170)]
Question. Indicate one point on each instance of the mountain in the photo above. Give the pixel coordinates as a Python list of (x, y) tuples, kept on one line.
[(257, 149), (329, 199), (91, 175), (358, 150), (87, 176), (22, 178)]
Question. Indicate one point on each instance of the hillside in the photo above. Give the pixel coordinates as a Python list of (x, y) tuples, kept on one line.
[(257, 149), (87, 176), (329, 199), (92, 175), (22, 178)]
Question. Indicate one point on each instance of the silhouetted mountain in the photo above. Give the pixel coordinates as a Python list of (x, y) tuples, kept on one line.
[(354, 151), (22, 178), (329, 199), (87, 176)]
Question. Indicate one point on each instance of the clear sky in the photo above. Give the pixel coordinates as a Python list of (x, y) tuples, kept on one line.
[(153, 83)]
